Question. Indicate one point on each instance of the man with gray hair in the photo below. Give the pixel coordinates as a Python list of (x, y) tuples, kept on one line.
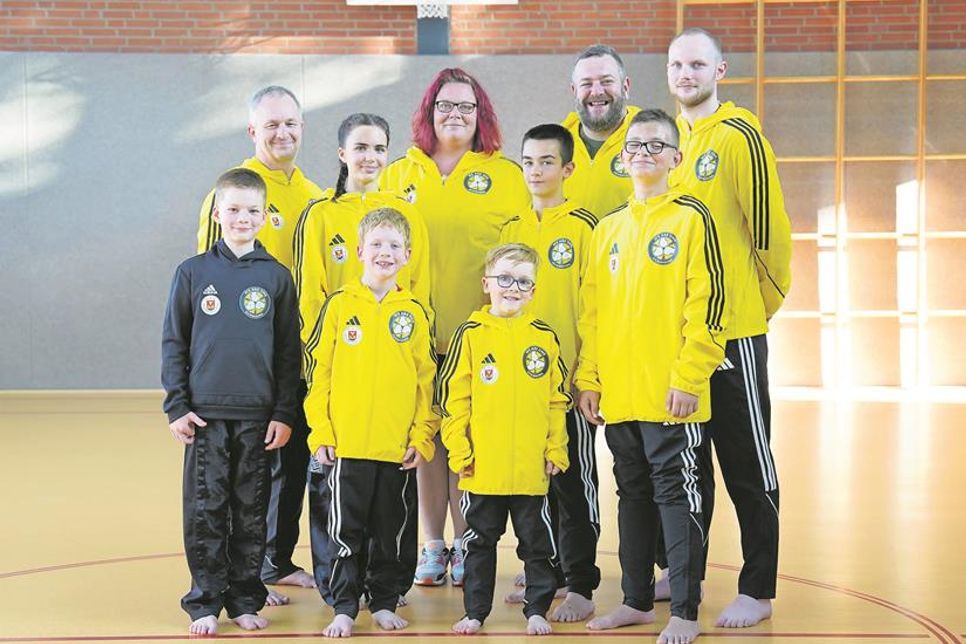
[(600, 88), (275, 127)]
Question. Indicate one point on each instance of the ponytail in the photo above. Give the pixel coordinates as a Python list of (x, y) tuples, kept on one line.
[(340, 182)]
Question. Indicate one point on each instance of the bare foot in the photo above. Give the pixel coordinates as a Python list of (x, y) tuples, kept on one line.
[(388, 620), (276, 599), (744, 611), (621, 616), (518, 596), (520, 580), (576, 608), (250, 622), (538, 625), (340, 626), (662, 587), (402, 601), (207, 625), (297, 578), (679, 631), (467, 626)]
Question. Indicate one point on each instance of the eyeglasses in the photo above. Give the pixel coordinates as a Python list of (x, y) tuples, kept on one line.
[(632, 147), (506, 281), (445, 107)]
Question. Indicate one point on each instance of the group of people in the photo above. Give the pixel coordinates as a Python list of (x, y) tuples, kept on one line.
[(443, 334)]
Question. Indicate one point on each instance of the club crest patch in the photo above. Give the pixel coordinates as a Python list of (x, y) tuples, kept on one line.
[(536, 362), (352, 334), (479, 183), (210, 304), (401, 325), (663, 248), (255, 302), (617, 167), (706, 166), (561, 253), (337, 249), (275, 217), (614, 261), (488, 372), (410, 193)]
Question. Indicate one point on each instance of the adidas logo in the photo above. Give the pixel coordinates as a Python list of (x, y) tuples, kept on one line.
[(210, 290), (272, 210), (353, 321), (338, 239), (613, 249), (489, 359)]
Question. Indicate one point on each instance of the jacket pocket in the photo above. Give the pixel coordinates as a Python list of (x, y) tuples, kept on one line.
[(233, 372)]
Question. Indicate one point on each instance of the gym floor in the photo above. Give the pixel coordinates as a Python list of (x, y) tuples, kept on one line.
[(90, 544)]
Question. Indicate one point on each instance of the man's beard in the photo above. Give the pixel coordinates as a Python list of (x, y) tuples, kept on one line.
[(609, 121), (696, 99)]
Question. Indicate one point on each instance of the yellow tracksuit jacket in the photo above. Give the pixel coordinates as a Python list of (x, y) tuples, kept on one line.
[(285, 200), (503, 397), (326, 239), (602, 183), (730, 166), (652, 309), (562, 238), (370, 373), (464, 215)]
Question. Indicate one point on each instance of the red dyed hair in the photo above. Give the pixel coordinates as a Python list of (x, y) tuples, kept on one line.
[(487, 137)]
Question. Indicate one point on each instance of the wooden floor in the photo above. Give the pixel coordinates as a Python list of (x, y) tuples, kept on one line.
[(872, 511)]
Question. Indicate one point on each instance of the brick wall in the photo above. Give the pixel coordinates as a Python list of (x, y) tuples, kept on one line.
[(225, 26), (561, 26), (532, 26)]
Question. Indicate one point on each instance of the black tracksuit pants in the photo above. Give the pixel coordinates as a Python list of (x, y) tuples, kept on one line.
[(367, 499), (486, 516), (289, 467), (740, 430), (575, 510), (225, 496), (657, 473), (319, 497)]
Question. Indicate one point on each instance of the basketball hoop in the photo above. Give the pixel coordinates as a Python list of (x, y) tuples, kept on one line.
[(432, 10)]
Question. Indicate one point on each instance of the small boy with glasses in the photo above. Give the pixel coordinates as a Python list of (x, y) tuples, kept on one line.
[(503, 395)]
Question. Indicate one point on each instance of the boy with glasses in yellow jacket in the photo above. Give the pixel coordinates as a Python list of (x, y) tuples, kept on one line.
[(651, 324), (502, 392)]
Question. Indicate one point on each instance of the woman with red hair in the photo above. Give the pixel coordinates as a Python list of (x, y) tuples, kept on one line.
[(466, 191)]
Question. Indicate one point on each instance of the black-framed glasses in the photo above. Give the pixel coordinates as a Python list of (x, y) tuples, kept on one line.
[(506, 281), (445, 107), (632, 147)]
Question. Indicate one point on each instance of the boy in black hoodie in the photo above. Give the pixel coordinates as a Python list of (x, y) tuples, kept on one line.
[(230, 370)]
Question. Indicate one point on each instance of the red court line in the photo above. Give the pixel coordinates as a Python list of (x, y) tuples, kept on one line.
[(940, 632), (266, 634), (84, 564)]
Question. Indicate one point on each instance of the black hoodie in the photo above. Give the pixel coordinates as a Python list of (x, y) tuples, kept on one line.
[(230, 345)]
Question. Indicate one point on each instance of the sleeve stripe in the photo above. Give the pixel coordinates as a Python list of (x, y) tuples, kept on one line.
[(585, 216), (543, 326), (617, 209), (316, 337), (298, 252), (760, 182), (432, 332), (214, 228), (449, 365), (712, 257)]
